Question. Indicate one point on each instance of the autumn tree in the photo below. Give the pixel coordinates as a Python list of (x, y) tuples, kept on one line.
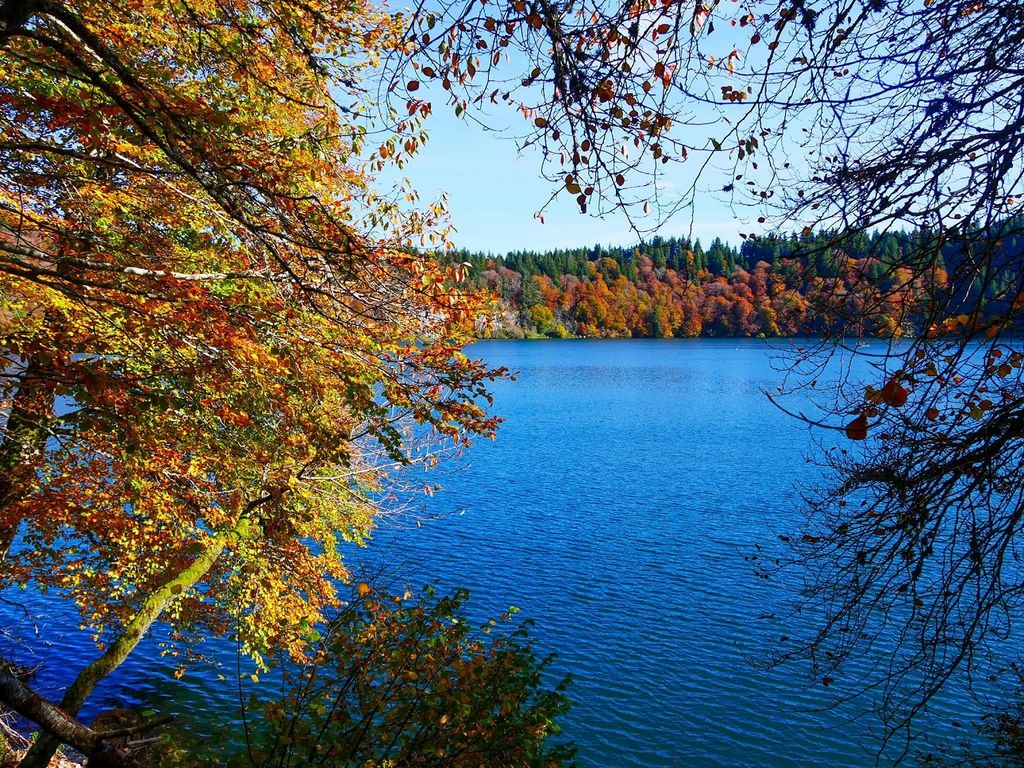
[(216, 336), (859, 120), (410, 680)]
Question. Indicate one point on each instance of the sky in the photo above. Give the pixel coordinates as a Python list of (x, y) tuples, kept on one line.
[(493, 194)]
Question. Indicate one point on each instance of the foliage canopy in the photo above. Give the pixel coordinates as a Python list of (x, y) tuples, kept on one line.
[(217, 336), (409, 680)]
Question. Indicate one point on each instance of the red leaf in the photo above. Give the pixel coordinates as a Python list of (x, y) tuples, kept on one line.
[(858, 428)]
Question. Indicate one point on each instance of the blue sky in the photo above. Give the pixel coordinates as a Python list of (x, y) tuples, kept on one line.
[(494, 193)]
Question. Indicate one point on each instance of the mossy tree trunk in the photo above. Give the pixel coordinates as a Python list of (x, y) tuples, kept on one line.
[(44, 748)]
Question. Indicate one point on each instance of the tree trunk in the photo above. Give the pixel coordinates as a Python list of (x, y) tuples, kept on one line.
[(14, 14), (29, 704), (46, 745), (24, 439)]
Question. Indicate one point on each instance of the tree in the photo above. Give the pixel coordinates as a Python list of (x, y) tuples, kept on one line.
[(408, 680), (542, 318), (855, 120), (911, 548), (1001, 744), (531, 292), (216, 336)]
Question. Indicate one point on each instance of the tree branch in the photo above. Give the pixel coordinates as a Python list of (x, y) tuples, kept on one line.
[(56, 721)]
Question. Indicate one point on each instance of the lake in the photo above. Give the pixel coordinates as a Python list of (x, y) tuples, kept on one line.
[(616, 508), (628, 482)]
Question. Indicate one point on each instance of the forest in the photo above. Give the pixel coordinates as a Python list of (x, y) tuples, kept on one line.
[(809, 284)]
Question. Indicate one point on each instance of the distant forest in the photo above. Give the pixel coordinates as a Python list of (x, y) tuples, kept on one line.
[(805, 284)]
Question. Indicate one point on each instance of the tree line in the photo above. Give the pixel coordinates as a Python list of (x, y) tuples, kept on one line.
[(818, 284)]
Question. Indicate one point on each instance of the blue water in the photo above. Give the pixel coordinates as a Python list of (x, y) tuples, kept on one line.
[(629, 480), (628, 483)]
